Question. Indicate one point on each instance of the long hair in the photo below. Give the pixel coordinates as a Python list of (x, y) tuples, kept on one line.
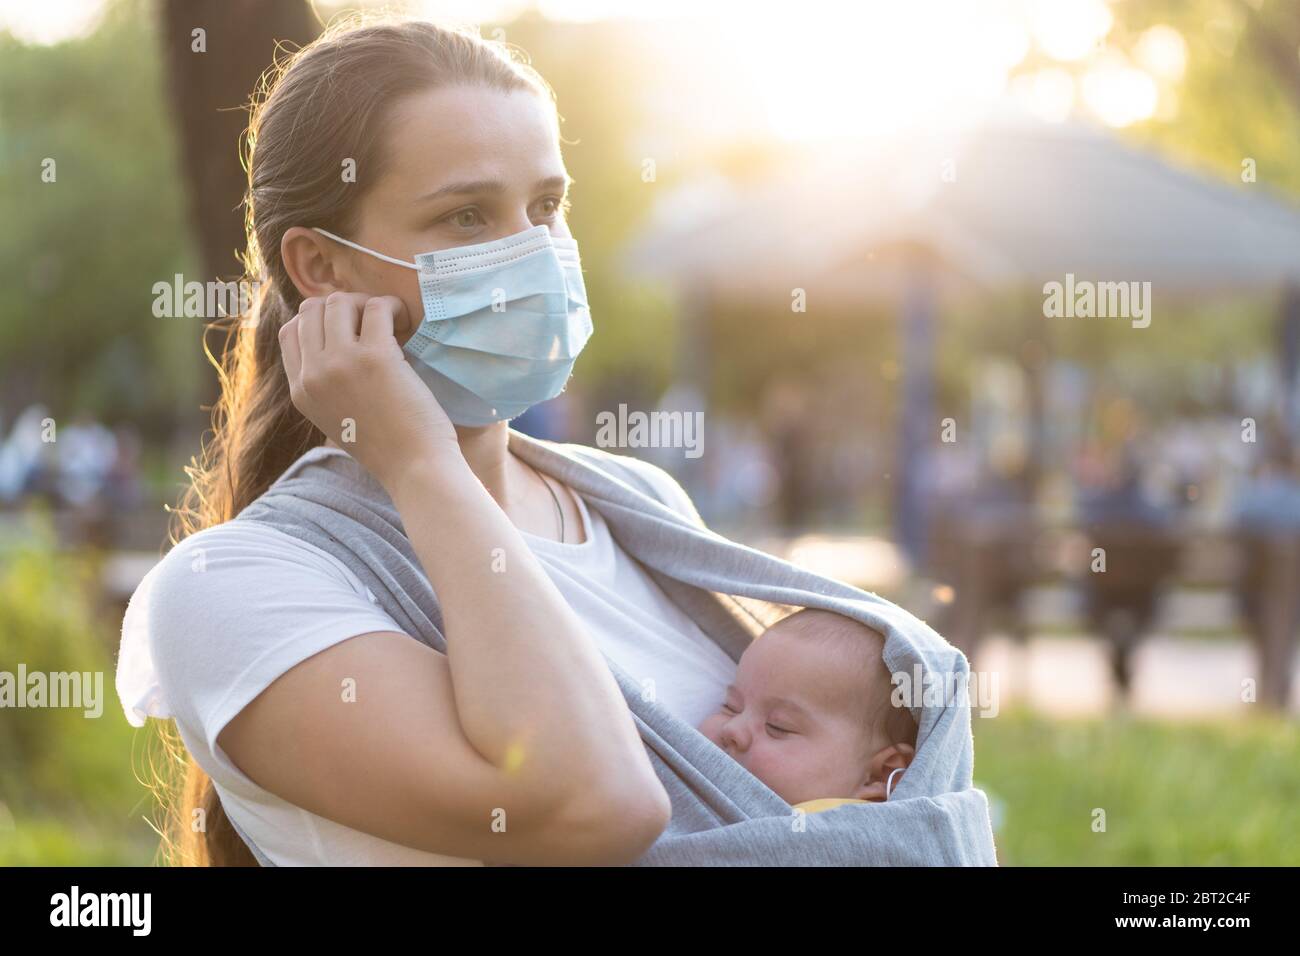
[(316, 108)]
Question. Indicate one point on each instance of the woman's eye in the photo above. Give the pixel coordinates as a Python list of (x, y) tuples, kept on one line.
[(555, 205), (458, 218)]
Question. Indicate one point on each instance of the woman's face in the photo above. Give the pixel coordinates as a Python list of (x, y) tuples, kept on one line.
[(466, 164)]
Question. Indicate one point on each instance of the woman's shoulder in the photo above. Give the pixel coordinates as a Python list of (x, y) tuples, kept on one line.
[(238, 566), (237, 549), (232, 593)]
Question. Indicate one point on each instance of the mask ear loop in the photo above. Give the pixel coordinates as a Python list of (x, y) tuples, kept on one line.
[(377, 255), (890, 782)]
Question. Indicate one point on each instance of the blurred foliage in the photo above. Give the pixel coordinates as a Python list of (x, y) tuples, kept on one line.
[(79, 256), (82, 254), (1240, 94), (68, 791), (1205, 793)]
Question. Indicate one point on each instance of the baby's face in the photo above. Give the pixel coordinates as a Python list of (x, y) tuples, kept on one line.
[(794, 718)]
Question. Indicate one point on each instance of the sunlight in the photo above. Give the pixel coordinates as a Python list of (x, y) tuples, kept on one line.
[(1118, 93), (828, 71), (1070, 29), (825, 71), (831, 72), (1047, 94), (50, 21), (1162, 51)]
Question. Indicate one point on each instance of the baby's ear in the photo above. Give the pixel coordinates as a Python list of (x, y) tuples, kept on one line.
[(891, 758), (873, 791)]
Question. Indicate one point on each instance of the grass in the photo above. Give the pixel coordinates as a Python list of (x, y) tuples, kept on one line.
[(1220, 792), (69, 791)]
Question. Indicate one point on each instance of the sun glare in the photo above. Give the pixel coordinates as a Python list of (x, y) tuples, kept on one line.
[(834, 70), (825, 69), (50, 21)]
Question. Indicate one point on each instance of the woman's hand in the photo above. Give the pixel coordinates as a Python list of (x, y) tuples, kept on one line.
[(348, 375)]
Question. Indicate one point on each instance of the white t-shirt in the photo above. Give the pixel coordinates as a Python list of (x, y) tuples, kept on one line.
[(231, 608)]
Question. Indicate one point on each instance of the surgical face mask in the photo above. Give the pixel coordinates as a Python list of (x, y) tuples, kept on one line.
[(503, 323)]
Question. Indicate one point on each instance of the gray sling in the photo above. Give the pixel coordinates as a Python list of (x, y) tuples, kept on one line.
[(721, 814)]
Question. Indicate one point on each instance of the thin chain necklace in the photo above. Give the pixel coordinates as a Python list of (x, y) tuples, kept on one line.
[(559, 511)]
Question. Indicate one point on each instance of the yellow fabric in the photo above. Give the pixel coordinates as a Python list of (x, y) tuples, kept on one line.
[(825, 803)]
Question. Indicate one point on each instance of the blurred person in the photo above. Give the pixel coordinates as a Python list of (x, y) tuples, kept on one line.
[(1266, 519), (86, 453), (785, 414), (1139, 546), (28, 463), (122, 487)]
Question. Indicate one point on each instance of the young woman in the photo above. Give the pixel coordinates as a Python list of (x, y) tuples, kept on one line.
[(307, 717)]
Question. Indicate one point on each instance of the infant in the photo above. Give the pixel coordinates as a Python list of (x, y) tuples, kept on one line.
[(810, 713)]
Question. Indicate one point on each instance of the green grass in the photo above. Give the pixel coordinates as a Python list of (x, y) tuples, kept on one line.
[(69, 791), (47, 841), (1216, 792)]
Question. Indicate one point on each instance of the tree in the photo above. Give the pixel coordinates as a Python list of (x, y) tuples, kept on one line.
[(214, 53)]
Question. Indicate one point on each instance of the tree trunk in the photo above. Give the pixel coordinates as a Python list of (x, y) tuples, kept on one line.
[(210, 79)]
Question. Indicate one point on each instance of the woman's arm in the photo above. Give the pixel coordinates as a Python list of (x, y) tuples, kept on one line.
[(521, 724), (395, 763)]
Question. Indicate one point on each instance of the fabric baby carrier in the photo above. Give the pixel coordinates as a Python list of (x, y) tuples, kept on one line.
[(721, 813)]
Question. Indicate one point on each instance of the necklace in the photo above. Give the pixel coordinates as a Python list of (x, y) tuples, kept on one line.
[(559, 511)]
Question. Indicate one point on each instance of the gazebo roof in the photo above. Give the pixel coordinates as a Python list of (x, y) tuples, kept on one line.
[(1010, 203)]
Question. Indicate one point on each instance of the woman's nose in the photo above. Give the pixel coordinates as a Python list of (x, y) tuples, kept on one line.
[(516, 224)]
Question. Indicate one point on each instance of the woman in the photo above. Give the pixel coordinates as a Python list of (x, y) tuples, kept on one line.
[(310, 720)]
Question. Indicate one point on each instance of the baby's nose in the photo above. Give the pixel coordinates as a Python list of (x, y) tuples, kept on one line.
[(734, 736)]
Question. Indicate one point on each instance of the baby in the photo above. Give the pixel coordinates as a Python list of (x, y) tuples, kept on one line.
[(810, 714)]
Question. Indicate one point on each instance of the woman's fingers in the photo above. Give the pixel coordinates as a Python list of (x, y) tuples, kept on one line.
[(325, 325), (342, 315), (311, 329), (334, 376), (290, 351), (382, 317)]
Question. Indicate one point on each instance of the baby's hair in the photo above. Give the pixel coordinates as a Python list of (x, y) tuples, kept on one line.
[(889, 724)]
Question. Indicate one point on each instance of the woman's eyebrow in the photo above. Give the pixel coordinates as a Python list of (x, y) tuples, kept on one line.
[(492, 186)]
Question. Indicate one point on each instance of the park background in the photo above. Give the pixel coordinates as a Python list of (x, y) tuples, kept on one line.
[(915, 424)]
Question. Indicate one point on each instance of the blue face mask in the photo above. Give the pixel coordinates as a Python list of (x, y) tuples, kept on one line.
[(503, 323)]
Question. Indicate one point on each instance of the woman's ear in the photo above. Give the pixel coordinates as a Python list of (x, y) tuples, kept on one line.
[(312, 261)]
